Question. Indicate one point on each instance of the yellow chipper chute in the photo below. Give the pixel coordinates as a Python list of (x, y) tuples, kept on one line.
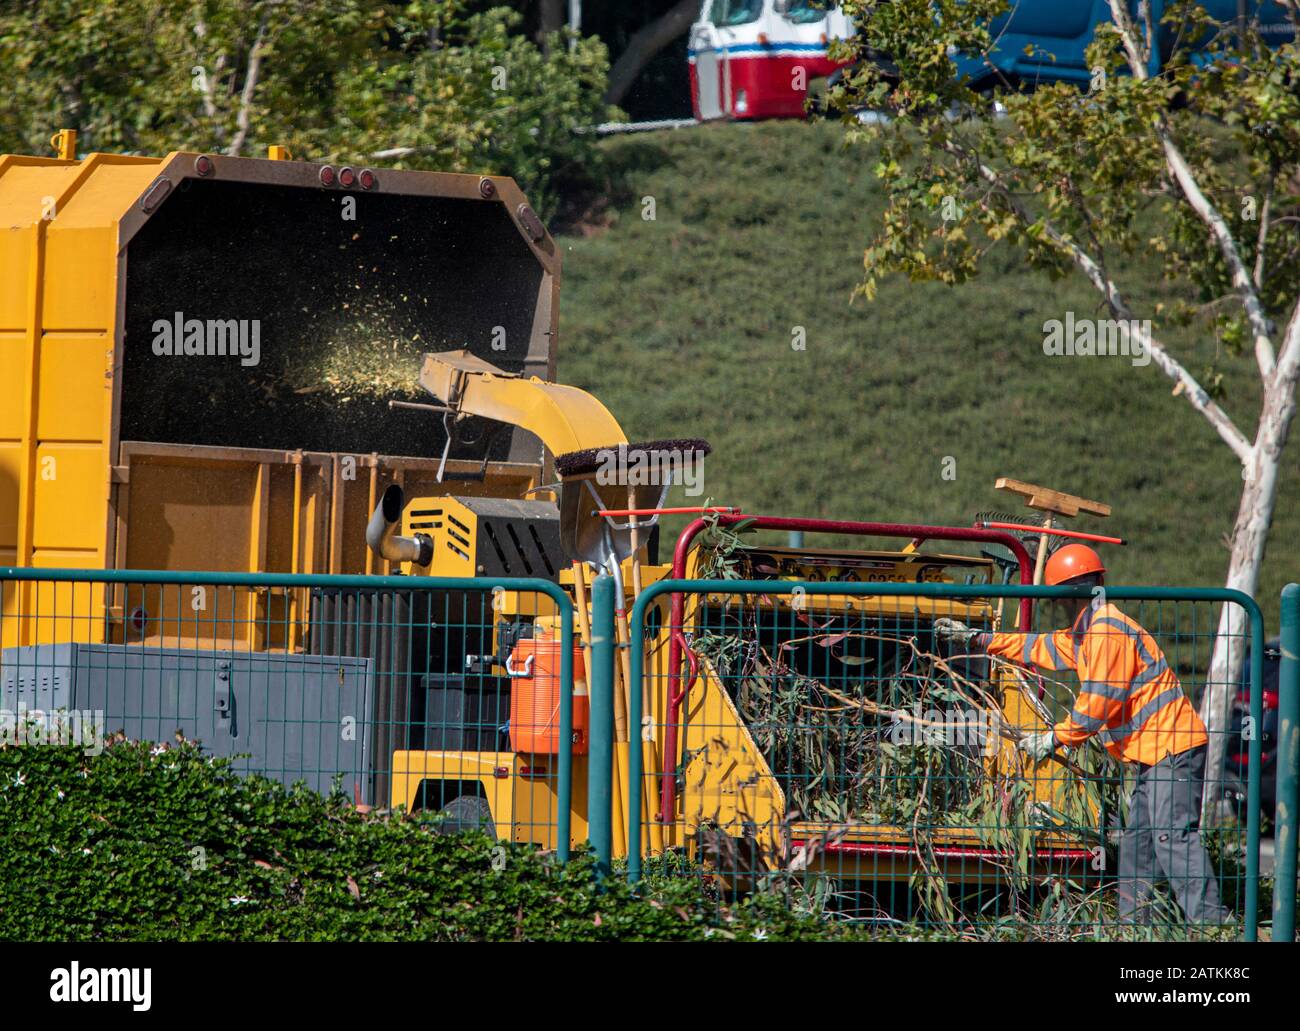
[(456, 535)]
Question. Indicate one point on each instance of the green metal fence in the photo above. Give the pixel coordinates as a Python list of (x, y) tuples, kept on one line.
[(830, 746), (825, 744), (1288, 769), (391, 689)]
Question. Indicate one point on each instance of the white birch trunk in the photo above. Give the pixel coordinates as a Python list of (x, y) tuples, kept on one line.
[(1249, 537)]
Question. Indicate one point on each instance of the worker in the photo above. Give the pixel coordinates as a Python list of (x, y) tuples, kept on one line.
[(1132, 700)]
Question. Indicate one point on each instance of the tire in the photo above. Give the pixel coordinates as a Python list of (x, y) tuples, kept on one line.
[(467, 813), (1232, 804)]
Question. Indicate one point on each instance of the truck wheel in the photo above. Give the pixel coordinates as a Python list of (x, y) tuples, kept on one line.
[(467, 813)]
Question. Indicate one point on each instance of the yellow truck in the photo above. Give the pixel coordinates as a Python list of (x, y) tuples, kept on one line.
[(170, 399)]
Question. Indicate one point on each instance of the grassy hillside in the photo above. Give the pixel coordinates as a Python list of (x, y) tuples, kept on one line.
[(683, 326)]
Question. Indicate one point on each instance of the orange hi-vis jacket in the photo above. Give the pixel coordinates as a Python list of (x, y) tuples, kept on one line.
[(1127, 692)]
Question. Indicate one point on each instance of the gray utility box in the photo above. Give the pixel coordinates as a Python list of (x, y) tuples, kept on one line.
[(291, 717)]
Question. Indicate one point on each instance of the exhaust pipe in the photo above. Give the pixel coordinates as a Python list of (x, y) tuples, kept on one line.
[(382, 536)]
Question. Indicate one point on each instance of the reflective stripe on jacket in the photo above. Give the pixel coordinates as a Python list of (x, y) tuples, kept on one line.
[(1127, 693)]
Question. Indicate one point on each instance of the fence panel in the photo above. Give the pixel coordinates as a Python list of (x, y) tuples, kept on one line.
[(395, 690), (831, 747)]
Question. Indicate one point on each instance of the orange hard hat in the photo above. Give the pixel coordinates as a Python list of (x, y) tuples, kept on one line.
[(1070, 563)]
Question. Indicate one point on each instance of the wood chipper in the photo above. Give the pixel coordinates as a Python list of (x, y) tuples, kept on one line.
[(274, 367), (721, 783)]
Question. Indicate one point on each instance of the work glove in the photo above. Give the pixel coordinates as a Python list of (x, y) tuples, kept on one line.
[(1038, 746), (955, 633)]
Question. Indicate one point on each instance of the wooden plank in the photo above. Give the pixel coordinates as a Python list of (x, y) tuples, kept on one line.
[(1047, 500)]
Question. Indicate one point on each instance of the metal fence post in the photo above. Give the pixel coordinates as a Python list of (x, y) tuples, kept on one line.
[(1288, 769), (564, 799), (1255, 751), (600, 758)]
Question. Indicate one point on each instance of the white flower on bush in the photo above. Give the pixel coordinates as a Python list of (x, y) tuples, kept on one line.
[(239, 900)]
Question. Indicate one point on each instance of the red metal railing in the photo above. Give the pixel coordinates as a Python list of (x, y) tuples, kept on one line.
[(913, 531)]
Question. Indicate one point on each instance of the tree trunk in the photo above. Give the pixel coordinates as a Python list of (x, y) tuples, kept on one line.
[(1249, 537), (644, 44), (551, 17)]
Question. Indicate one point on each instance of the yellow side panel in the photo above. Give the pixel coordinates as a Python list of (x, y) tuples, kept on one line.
[(13, 352), (47, 613), (280, 543), (727, 780), (411, 769), (80, 278), (66, 611), (70, 492), (75, 388), (11, 457), (187, 514), (114, 184), (13, 348), (82, 243), (10, 594), (15, 260), (25, 187), (191, 517)]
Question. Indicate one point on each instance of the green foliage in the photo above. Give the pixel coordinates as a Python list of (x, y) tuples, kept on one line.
[(974, 168), (168, 844), (144, 843), (340, 82)]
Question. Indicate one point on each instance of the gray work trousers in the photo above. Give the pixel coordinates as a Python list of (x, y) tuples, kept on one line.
[(1162, 837)]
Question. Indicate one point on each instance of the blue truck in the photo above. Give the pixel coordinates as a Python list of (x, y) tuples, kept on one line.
[(1047, 40), (1044, 41)]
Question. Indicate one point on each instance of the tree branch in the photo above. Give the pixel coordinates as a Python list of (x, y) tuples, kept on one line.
[(1241, 278), (1288, 365), (246, 97), (1264, 214), (644, 44), (209, 105), (1187, 384), (401, 152), (1202, 205)]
